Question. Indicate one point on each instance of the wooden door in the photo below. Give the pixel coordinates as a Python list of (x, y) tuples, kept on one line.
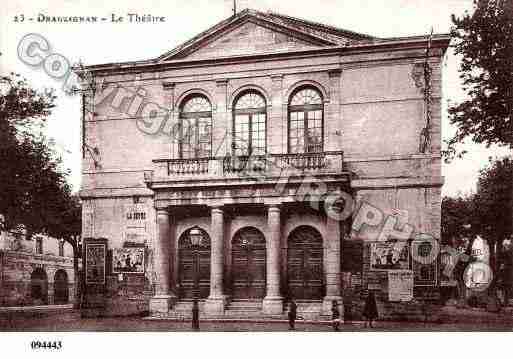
[(194, 268), (305, 264), (248, 264)]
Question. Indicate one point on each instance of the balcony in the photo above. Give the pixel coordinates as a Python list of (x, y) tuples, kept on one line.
[(271, 166)]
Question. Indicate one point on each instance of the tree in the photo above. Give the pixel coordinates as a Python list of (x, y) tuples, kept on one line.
[(459, 228), (493, 207), (485, 42), (29, 167), (458, 217), (33, 185)]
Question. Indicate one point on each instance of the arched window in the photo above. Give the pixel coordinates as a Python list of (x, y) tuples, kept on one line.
[(196, 127), (306, 121), (249, 117)]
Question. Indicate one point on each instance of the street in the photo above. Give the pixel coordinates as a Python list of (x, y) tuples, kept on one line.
[(72, 322)]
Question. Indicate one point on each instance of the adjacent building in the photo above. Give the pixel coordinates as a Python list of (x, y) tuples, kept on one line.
[(237, 162), (35, 271)]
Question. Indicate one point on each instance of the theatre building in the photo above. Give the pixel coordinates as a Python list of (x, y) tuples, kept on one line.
[(230, 169)]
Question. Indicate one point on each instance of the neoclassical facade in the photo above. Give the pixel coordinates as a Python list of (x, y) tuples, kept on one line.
[(226, 159)]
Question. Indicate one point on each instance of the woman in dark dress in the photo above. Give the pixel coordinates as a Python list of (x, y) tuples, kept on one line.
[(292, 314), (335, 315), (195, 315), (370, 310)]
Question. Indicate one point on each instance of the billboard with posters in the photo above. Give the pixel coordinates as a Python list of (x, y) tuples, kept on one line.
[(400, 285), (389, 255), (95, 254), (128, 260)]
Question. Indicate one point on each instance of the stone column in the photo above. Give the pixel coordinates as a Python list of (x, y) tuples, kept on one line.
[(163, 298), (332, 265), (273, 302), (215, 302)]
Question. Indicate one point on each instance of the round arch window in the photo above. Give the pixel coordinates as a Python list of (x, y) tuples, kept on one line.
[(196, 128), (306, 116), (249, 124)]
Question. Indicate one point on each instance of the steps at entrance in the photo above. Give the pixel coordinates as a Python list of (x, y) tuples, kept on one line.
[(244, 309), (309, 310)]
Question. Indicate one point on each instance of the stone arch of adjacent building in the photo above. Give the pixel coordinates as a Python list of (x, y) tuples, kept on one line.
[(248, 264), (61, 287), (39, 286)]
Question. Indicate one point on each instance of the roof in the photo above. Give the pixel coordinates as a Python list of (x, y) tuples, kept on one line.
[(308, 34)]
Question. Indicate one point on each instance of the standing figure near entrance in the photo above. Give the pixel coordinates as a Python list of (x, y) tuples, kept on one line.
[(195, 315), (370, 311), (335, 315), (292, 315)]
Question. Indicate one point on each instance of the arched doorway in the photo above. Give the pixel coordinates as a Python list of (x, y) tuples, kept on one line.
[(39, 286), (194, 264), (248, 264), (60, 287), (304, 264)]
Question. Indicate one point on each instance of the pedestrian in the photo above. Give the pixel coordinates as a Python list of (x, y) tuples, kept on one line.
[(370, 310), (335, 316), (292, 314), (195, 315)]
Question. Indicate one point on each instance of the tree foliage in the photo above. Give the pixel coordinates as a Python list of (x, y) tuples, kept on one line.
[(33, 186), (458, 220), (484, 40), (493, 200)]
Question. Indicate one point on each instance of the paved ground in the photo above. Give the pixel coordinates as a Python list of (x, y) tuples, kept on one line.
[(70, 321)]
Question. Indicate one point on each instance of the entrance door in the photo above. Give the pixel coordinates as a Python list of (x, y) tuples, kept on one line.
[(194, 264), (60, 283), (304, 264), (248, 264)]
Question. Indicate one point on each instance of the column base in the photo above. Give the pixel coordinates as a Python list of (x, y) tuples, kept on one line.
[(161, 303), (272, 305), (215, 306), (327, 304)]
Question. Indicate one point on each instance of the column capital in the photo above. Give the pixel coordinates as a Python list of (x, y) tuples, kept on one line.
[(217, 208), (167, 86), (162, 212), (277, 77), (221, 82), (334, 73), (274, 207)]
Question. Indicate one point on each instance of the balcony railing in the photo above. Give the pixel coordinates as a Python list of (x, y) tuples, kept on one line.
[(270, 164)]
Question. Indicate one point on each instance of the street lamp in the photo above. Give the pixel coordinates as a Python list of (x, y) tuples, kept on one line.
[(196, 237)]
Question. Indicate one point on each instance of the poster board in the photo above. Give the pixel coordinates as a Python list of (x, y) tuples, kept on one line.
[(400, 285), (389, 255), (136, 220), (95, 252), (128, 260)]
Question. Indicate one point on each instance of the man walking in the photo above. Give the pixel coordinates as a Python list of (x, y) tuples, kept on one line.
[(195, 315), (292, 315), (335, 316)]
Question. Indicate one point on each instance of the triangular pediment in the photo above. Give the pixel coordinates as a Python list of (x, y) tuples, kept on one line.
[(251, 32)]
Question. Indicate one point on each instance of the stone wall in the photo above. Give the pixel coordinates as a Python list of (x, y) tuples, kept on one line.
[(16, 270)]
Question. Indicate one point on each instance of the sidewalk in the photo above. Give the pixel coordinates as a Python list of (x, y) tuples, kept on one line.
[(36, 310)]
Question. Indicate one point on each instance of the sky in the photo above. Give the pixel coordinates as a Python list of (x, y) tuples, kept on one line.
[(115, 42)]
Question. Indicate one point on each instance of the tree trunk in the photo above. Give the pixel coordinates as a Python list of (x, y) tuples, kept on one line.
[(78, 279)]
